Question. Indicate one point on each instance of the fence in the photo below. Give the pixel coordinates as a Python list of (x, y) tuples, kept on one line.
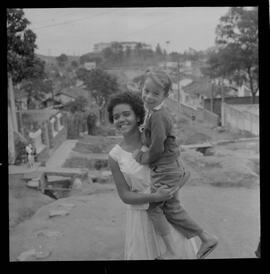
[(229, 100), (239, 119)]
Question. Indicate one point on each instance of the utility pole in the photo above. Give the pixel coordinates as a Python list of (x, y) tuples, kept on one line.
[(167, 57), (178, 86), (12, 122), (212, 93), (12, 103)]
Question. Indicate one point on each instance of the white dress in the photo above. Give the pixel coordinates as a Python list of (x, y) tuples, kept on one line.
[(141, 241)]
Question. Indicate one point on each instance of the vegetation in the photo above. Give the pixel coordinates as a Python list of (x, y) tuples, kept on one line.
[(100, 83), (22, 63), (236, 57)]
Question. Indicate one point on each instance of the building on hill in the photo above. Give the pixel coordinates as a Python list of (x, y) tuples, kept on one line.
[(89, 65), (99, 47)]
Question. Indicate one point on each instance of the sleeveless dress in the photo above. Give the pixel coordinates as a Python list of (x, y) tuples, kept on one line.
[(141, 241)]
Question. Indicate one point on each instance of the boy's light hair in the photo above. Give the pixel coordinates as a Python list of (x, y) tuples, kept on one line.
[(161, 78)]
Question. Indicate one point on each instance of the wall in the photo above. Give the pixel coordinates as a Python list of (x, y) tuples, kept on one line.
[(199, 113), (207, 116), (229, 100), (61, 134), (237, 119)]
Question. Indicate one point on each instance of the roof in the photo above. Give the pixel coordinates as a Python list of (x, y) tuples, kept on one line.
[(74, 92), (38, 115), (202, 86)]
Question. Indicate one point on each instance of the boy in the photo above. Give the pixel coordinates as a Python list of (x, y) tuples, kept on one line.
[(163, 160)]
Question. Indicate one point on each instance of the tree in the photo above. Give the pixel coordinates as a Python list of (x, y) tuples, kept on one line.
[(62, 60), (79, 104), (22, 62), (108, 55), (36, 89), (100, 84), (237, 38), (128, 52), (74, 64), (158, 50)]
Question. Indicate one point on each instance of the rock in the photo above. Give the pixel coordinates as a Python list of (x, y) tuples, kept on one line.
[(58, 212), (34, 183), (41, 253), (77, 183), (209, 152), (68, 205), (24, 256), (48, 233), (220, 129)]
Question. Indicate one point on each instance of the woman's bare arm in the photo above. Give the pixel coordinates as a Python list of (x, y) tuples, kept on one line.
[(129, 197)]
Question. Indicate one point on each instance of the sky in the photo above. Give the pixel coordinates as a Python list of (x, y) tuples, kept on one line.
[(74, 31)]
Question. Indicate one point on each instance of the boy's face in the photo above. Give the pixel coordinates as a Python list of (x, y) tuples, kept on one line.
[(152, 94)]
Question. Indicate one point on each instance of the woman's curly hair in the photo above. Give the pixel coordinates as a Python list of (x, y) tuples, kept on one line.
[(129, 98)]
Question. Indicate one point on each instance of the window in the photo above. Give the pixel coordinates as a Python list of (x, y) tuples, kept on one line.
[(53, 126), (60, 121)]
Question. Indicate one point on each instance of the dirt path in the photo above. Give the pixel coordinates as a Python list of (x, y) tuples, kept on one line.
[(94, 228)]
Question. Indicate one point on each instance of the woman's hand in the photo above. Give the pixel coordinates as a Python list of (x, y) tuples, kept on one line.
[(135, 153), (164, 193)]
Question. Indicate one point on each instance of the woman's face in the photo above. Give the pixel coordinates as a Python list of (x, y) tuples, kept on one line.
[(124, 118), (152, 94)]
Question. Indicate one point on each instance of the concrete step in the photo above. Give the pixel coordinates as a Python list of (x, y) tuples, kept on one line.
[(65, 172)]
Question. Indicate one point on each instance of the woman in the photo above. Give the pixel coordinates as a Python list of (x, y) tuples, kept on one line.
[(132, 181)]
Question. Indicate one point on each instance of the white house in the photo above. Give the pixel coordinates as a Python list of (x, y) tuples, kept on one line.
[(129, 44), (101, 46), (90, 65)]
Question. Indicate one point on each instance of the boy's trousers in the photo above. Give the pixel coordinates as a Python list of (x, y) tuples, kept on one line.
[(171, 210)]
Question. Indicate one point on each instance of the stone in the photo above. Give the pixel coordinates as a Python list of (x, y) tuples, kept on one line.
[(77, 183), (24, 256), (48, 233), (41, 253), (68, 205), (209, 152), (58, 212), (220, 129), (34, 183)]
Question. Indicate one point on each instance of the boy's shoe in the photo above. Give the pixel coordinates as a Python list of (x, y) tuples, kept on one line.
[(184, 178), (206, 248)]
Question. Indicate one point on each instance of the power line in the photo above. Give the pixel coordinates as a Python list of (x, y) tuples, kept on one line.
[(72, 21), (149, 27)]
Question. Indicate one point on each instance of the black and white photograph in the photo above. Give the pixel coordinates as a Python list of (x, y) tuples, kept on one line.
[(133, 133)]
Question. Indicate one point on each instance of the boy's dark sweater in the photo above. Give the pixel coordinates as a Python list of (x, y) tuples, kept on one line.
[(160, 138)]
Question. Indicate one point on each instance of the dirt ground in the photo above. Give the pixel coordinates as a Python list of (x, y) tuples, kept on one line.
[(222, 195)]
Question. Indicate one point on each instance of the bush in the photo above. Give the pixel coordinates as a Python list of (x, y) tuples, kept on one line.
[(21, 155)]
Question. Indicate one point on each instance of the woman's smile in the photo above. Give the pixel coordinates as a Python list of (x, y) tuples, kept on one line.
[(124, 118)]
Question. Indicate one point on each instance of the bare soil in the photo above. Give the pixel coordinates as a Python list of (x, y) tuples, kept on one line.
[(222, 195)]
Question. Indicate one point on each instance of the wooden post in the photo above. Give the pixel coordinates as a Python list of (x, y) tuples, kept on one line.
[(212, 99), (12, 103), (11, 139), (12, 122), (178, 87)]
